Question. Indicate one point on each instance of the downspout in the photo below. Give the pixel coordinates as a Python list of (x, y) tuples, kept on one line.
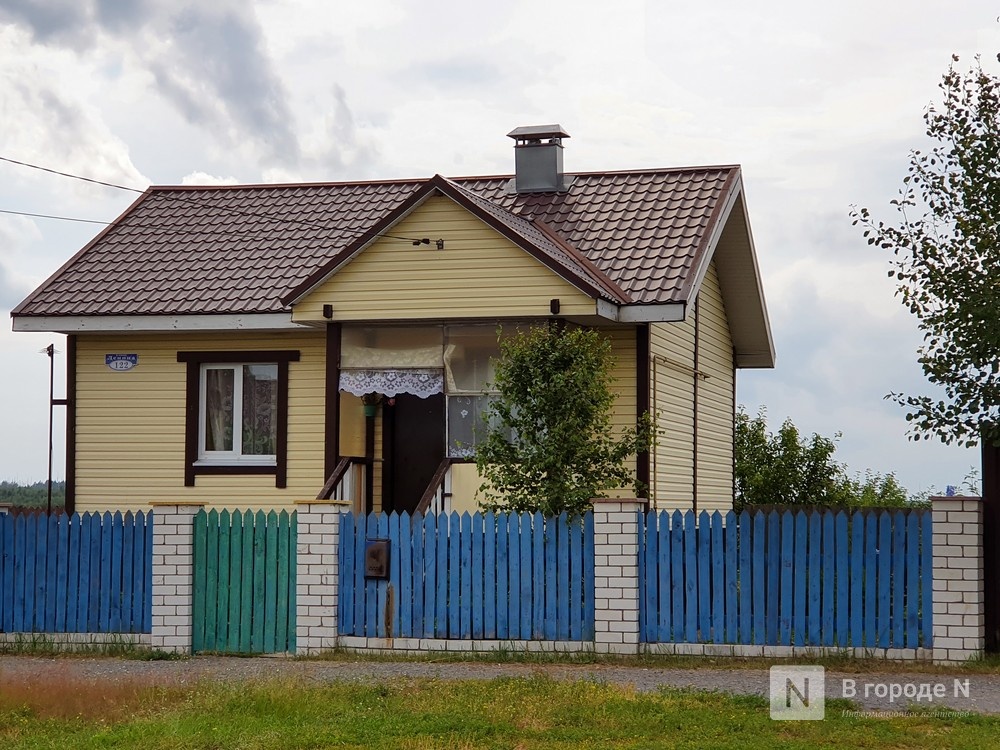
[(694, 421)]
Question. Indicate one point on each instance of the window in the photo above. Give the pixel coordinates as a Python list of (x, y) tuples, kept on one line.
[(237, 413), (469, 359)]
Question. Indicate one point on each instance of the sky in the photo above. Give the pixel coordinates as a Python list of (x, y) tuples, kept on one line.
[(819, 103)]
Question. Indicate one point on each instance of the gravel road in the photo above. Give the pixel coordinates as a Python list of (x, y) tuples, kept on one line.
[(984, 690)]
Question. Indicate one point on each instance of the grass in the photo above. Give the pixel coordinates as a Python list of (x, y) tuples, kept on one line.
[(46, 711), (34, 644)]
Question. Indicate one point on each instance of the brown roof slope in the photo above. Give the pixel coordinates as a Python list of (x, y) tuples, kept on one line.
[(240, 249), (645, 230)]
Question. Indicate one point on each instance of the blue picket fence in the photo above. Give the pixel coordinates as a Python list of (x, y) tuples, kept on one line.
[(783, 578), (481, 575), (84, 573)]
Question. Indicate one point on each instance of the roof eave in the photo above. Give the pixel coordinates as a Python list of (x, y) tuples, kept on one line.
[(154, 323)]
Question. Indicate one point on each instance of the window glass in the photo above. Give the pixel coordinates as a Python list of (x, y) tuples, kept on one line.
[(388, 348), (260, 409), (239, 412), (470, 358), (219, 402), (466, 423)]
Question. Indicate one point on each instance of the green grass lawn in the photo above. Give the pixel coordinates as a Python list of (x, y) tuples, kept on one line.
[(500, 713)]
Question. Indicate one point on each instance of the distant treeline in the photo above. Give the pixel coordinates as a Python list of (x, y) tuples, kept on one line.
[(32, 495)]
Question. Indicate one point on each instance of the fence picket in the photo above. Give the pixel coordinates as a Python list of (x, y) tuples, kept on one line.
[(546, 536), (489, 577), (503, 584), (898, 615), (800, 576), (465, 571), (661, 622), (8, 557), (690, 578), (745, 579), (403, 550), (576, 580), (912, 584), (829, 542), (588, 577), (454, 576), (814, 579), (430, 569), (395, 584), (476, 569), (731, 578), (884, 578), (416, 578), (858, 579), (718, 581), (236, 573), (791, 600), (52, 574), (562, 526), (526, 582), (870, 567)]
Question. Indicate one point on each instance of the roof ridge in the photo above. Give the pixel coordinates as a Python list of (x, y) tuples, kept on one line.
[(418, 180)]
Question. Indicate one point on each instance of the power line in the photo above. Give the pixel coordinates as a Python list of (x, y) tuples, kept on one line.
[(266, 217), (71, 176), (48, 216)]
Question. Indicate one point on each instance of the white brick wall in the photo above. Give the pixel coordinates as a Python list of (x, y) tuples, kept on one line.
[(173, 577), (959, 625), (616, 575), (316, 575)]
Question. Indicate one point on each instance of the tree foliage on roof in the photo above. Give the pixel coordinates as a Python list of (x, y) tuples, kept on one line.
[(946, 259)]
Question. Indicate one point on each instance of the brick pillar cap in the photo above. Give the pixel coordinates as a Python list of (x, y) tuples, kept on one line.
[(621, 500), (343, 503), (178, 503)]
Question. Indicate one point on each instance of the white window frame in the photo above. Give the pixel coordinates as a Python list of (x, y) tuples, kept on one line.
[(235, 456)]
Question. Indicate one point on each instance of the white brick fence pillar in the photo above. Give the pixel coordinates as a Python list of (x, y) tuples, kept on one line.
[(316, 600), (959, 620), (173, 576), (616, 575)]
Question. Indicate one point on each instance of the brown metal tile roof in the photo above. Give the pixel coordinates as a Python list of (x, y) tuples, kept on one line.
[(241, 249)]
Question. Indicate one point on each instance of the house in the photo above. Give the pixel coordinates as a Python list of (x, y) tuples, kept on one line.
[(255, 345)]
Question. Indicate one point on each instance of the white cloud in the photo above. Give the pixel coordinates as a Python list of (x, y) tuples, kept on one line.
[(820, 105)]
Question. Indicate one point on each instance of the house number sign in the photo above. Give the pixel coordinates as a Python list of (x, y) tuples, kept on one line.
[(121, 362)]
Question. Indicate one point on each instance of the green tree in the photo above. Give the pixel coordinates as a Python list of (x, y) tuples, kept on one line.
[(786, 468), (550, 445), (947, 259)]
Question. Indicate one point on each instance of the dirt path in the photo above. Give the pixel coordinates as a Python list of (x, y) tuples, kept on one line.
[(984, 690)]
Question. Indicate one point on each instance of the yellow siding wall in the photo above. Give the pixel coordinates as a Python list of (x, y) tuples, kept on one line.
[(465, 483), (715, 399), (672, 348), (478, 274), (130, 425)]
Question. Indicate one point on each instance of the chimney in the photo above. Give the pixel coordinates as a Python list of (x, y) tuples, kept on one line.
[(538, 159)]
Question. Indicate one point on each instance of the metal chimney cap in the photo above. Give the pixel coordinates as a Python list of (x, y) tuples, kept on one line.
[(537, 132)]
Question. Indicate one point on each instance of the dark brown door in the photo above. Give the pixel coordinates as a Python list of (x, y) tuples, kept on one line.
[(413, 447)]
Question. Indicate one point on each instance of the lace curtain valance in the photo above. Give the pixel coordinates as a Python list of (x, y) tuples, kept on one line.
[(420, 382)]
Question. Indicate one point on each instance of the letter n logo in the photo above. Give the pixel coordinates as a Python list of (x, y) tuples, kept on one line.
[(798, 693)]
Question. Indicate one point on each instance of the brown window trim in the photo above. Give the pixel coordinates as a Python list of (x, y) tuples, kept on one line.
[(194, 361)]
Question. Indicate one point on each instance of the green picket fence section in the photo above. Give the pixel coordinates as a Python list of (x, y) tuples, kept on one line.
[(244, 582)]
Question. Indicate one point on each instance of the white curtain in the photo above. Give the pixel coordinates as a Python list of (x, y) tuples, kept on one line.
[(422, 382)]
